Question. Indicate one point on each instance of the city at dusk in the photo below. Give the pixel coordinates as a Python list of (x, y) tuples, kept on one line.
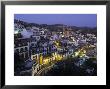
[(55, 45)]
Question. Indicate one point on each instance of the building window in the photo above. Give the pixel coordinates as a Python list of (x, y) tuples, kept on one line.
[(17, 50), (26, 49), (21, 50)]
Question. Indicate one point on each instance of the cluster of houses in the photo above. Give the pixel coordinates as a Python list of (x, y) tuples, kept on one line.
[(44, 47)]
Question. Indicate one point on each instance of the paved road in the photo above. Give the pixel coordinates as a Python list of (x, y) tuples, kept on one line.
[(45, 69), (42, 70)]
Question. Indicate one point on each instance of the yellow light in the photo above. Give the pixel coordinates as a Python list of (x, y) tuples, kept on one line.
[(84, 51), (53, 58), (76, 53), (41, 58), (56, 43), (45, 61), (82, 55), (58, 57), (53, 54)]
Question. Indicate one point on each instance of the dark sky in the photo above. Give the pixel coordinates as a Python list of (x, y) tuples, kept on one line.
[(81, 20)]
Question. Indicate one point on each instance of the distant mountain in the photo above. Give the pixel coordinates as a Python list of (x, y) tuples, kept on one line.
[(57, 27)]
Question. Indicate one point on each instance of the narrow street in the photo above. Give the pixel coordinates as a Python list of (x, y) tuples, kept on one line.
[(44, 70)]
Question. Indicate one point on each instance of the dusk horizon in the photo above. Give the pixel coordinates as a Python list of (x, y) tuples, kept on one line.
[(78, 20)]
